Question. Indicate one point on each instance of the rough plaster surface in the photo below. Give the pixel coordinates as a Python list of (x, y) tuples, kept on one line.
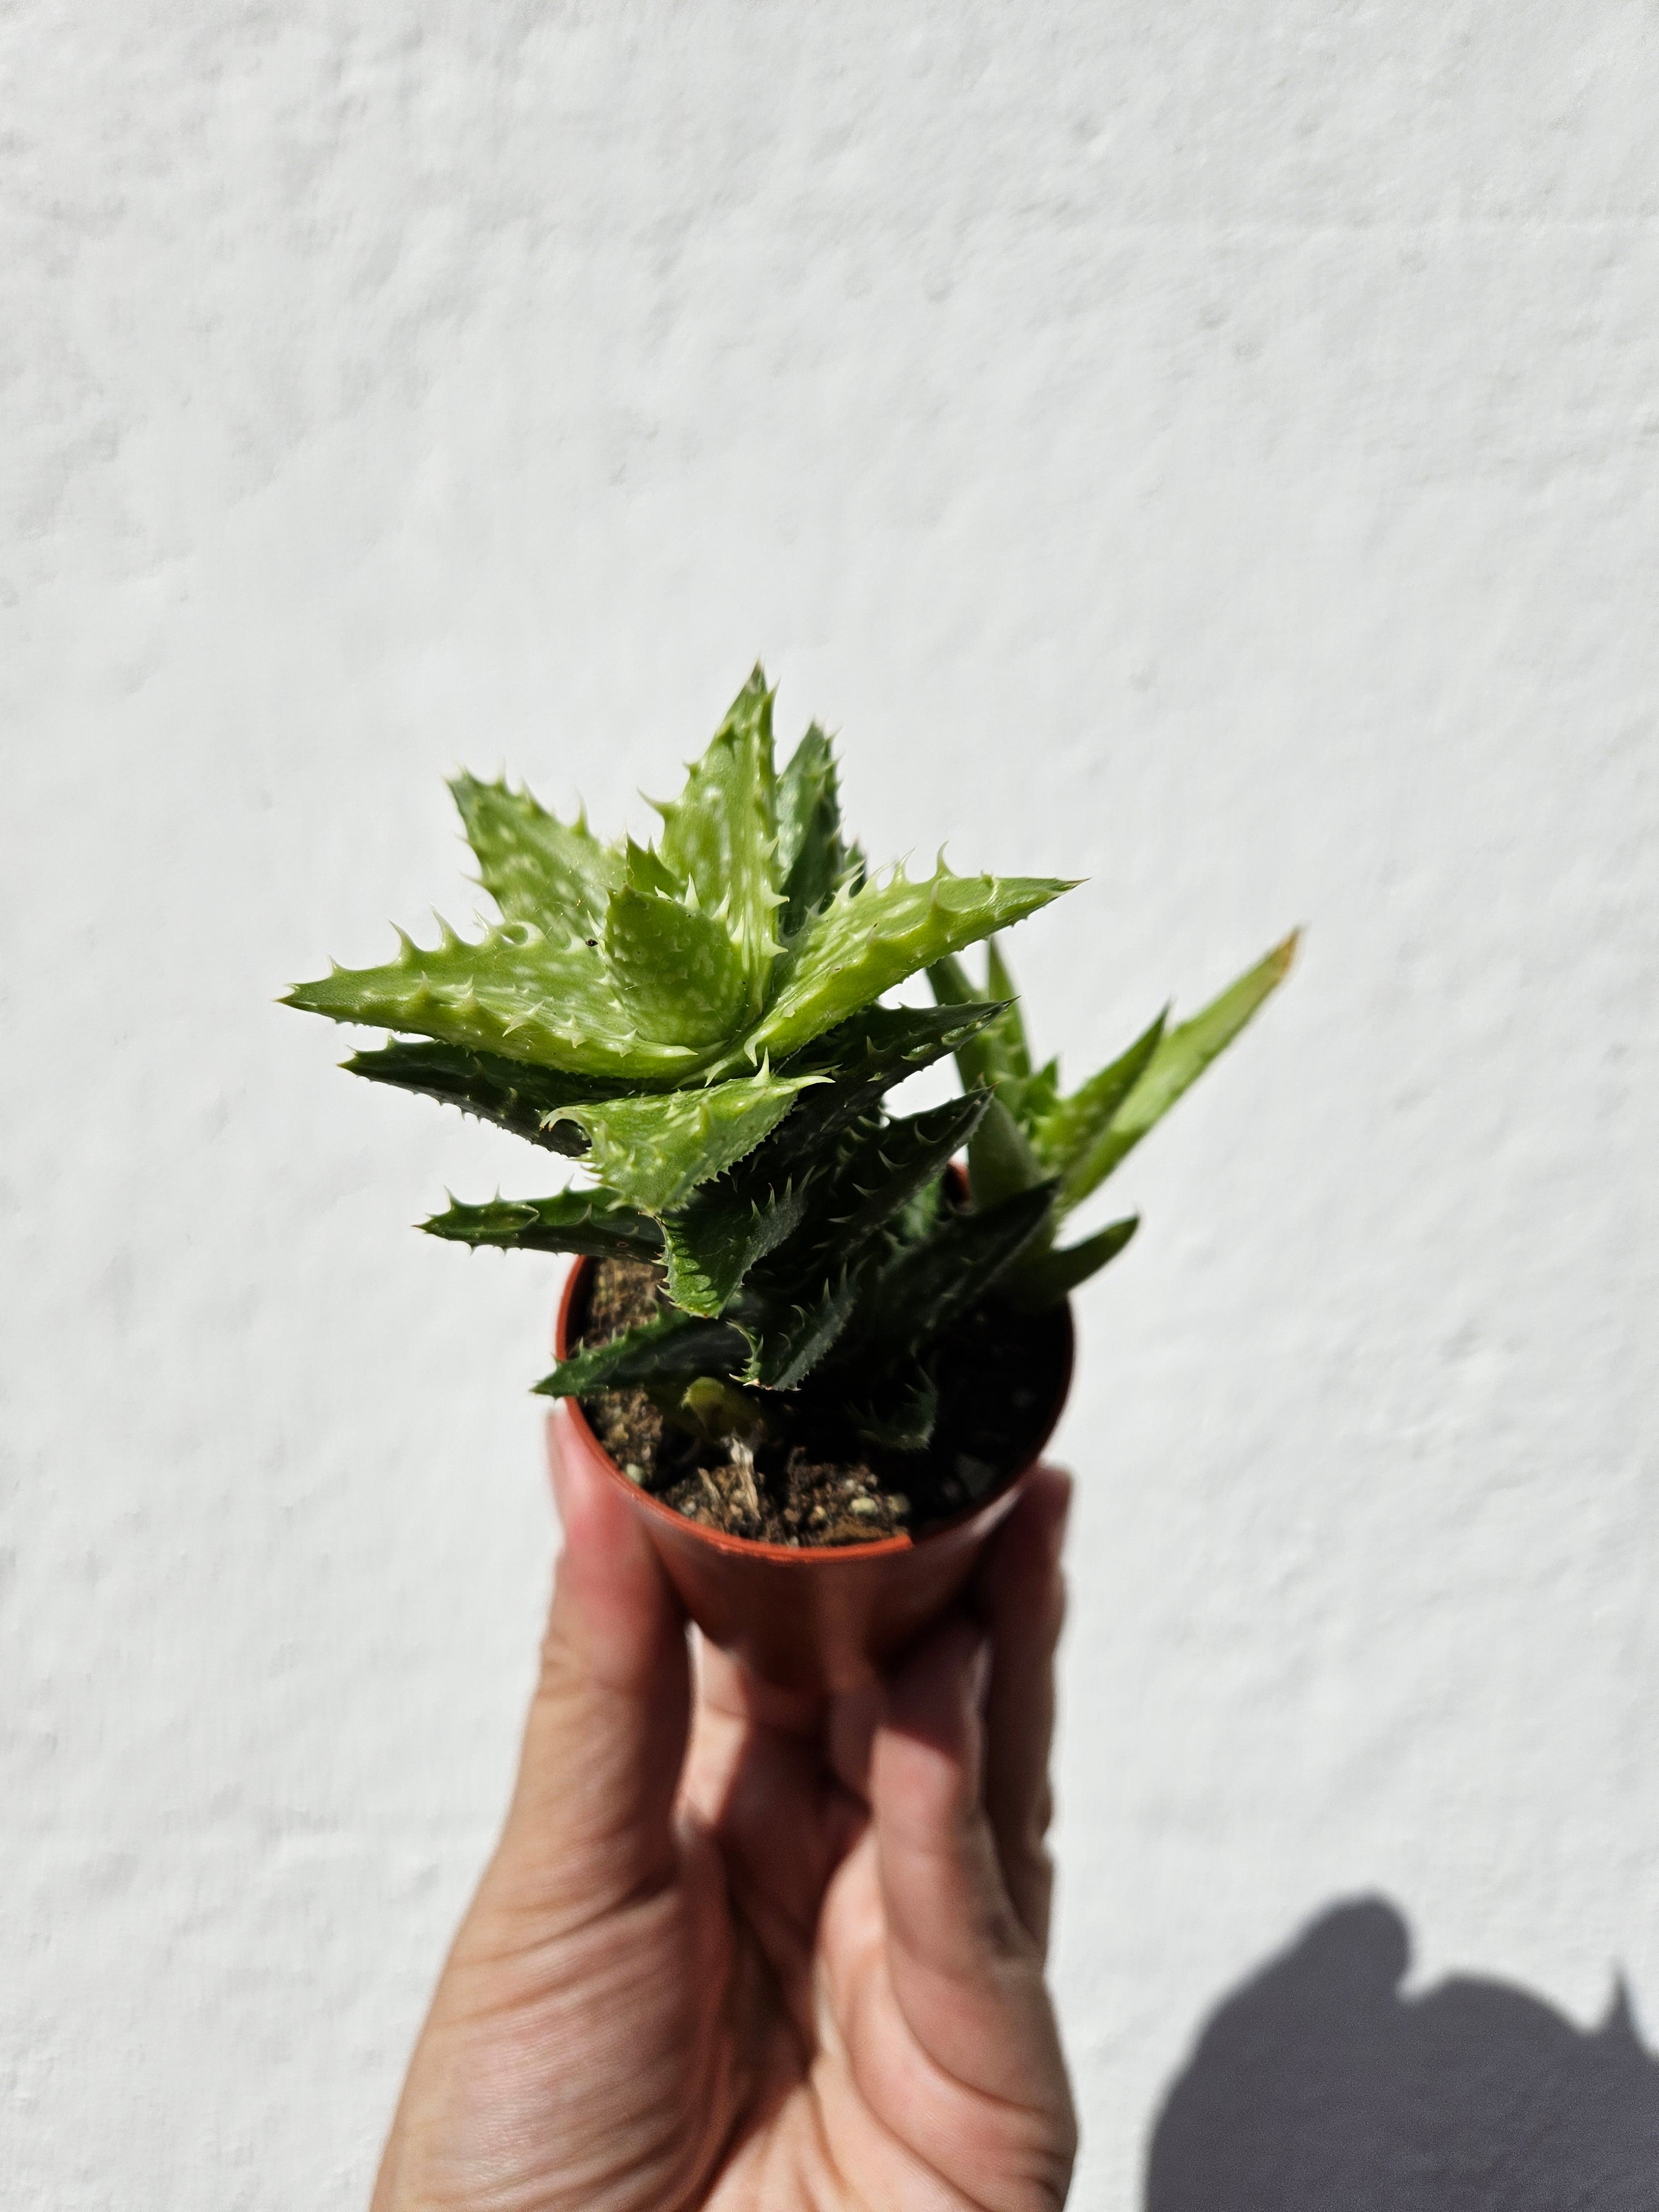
[(1209, 449)]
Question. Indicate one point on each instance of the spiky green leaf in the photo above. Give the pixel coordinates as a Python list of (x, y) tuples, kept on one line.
[(507, 1092), (719, 836), (789, 1337), (860, 1061), (591, 1221), (677, 972), (921, 1216), (882, 1172), (950, 981), (811, 860), (675, 1347), (866, 941), (535, 867), (1000, 1159), (1067, 1133), (732, 1222), (921, 1290), (527, 996), (1010, 1031), (654, 1151), (1041, 1279), (1182, 1056), (711, 1242), (900, 1411), (997, 1054), (645, 870), (798, 1250)]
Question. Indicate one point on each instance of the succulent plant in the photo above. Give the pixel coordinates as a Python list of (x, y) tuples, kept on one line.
[(698, 1023)]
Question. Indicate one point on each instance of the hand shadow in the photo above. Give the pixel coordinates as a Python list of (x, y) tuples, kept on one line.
[(1317, 2087)]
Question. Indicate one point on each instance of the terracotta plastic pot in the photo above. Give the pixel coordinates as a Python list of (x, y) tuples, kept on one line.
[(810, 1620)]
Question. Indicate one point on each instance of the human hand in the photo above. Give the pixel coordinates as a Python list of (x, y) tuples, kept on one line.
[(745, 1949)]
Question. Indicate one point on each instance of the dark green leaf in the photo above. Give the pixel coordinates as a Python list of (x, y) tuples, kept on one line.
[(789, 1338), (591, 1221), (735, 1220), (862, 1060), (811, 860), (881, 1173), (732, 1222), (920, 1217), (837, 1208), (901, 1413), (508, 1092), (713, 1240), (673, 1348), (997, 1054), (928, 1285), (1037, 1280), (949, 981)]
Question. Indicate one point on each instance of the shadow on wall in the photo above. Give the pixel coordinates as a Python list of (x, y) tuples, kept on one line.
[(1318, 2088)]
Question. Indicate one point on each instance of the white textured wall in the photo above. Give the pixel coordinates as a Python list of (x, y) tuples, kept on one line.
[(1209, 448)]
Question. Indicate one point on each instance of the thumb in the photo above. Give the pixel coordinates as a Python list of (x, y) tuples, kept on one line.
[(590, 1822), (965, 1972)]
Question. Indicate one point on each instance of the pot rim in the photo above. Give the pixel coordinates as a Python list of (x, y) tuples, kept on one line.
[(803, 1555)]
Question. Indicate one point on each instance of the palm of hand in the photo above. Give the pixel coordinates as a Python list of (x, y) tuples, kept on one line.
[(808, 1977)]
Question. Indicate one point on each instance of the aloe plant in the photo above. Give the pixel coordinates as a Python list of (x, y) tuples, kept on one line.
[(697, 1023)]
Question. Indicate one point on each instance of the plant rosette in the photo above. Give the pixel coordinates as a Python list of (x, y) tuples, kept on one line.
[(819, 1354)]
